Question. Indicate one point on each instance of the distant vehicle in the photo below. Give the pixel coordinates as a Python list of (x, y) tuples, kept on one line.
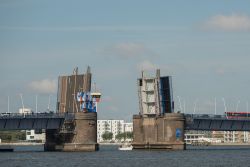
[(231, 115)]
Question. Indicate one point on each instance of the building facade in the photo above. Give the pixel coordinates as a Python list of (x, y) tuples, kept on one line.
[(114, 126), (232, 136)]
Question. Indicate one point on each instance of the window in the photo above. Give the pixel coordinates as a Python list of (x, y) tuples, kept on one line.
[(28, 133), (31, 137)]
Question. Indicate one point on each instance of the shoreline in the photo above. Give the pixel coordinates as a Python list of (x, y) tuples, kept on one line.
[(116, 144), (21, 144)]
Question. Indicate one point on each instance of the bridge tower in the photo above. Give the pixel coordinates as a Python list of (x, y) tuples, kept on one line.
[(80, 132), (157, 126)]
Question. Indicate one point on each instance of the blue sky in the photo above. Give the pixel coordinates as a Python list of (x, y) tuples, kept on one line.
[(204, 45)]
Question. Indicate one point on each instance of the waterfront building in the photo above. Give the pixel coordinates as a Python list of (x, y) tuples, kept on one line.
[(232, 136), (25, 111), (35, 136), (113, 126)]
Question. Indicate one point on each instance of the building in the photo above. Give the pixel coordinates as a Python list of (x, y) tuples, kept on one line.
[(232, 136), (32, 135), (193, 137), (114, 126), (35, 136), (25, 111)]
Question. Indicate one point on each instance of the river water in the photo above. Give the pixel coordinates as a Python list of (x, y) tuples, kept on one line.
[(31, 156)]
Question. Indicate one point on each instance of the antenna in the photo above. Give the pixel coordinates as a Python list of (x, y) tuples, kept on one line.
[(184, 107), (215, 111), (247, 108), (36, 103), (195, 105), (247, 105), (8, 104), (237, 105), (49, 103), (179, 99), (224, 101), (21, 96)]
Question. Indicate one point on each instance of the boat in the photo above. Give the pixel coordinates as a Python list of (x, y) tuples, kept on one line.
[(125, 147)]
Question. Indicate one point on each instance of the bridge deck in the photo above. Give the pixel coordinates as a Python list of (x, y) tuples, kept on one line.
[(14, 121), (216, 123)]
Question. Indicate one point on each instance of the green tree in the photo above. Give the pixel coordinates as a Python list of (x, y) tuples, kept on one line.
[(107, 135), (119, 136), (124, 136), (129, 135)]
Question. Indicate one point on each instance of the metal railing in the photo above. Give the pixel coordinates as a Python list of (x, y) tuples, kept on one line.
[(212, 116), (37, 115)]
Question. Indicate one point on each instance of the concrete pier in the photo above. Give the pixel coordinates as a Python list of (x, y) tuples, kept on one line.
[(78, 135), (159, 132)]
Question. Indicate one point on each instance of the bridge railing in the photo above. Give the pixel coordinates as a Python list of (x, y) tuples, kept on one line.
[(37, 115), (212, 116)]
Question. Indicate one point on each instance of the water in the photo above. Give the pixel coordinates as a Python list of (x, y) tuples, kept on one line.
[(228, 156)]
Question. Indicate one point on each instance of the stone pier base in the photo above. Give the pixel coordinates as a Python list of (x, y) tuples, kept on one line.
[(82, 136), (159, 132)]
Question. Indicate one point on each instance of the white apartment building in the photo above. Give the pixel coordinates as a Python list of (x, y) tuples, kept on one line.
[(25, 111), (236, 137), (32, 135), (114, 126), (38, 136)]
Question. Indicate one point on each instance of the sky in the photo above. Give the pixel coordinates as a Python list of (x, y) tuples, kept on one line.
[(203, 45)]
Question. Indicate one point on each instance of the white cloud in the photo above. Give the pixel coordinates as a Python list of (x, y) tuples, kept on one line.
[(127, 50), (220, 71), (107, 99), (147, 66), (94, 28), (45, 86), (112, 108), (233, 22)]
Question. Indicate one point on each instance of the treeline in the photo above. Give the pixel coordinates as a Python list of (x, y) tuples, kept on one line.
[(12, 136), (120, 136)]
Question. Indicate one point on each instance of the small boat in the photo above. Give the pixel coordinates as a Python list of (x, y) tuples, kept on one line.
[(125, 147)]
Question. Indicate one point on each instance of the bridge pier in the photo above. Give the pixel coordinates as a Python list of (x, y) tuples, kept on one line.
[(159, 132), (77, 135)]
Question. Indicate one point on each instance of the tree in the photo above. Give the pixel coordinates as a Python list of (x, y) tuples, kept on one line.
[(107, 135), (129, 135), (119, 136), (124, 136)]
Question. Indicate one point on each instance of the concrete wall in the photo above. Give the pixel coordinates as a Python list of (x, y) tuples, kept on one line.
[(82, 137), (159, 132)]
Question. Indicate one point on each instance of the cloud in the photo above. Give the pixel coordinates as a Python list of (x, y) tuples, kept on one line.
[(45, 86), (147, 66), (112, 108), (220, 71), (127, 50), (94, 28), (233, 22), (107, 99)]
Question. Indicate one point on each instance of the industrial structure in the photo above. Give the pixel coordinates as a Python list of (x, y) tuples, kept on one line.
[(74, 97), (157, 126), (74, 126)]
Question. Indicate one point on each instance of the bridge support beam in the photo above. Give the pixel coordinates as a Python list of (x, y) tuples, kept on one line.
[(159, 132), (78, 135)]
